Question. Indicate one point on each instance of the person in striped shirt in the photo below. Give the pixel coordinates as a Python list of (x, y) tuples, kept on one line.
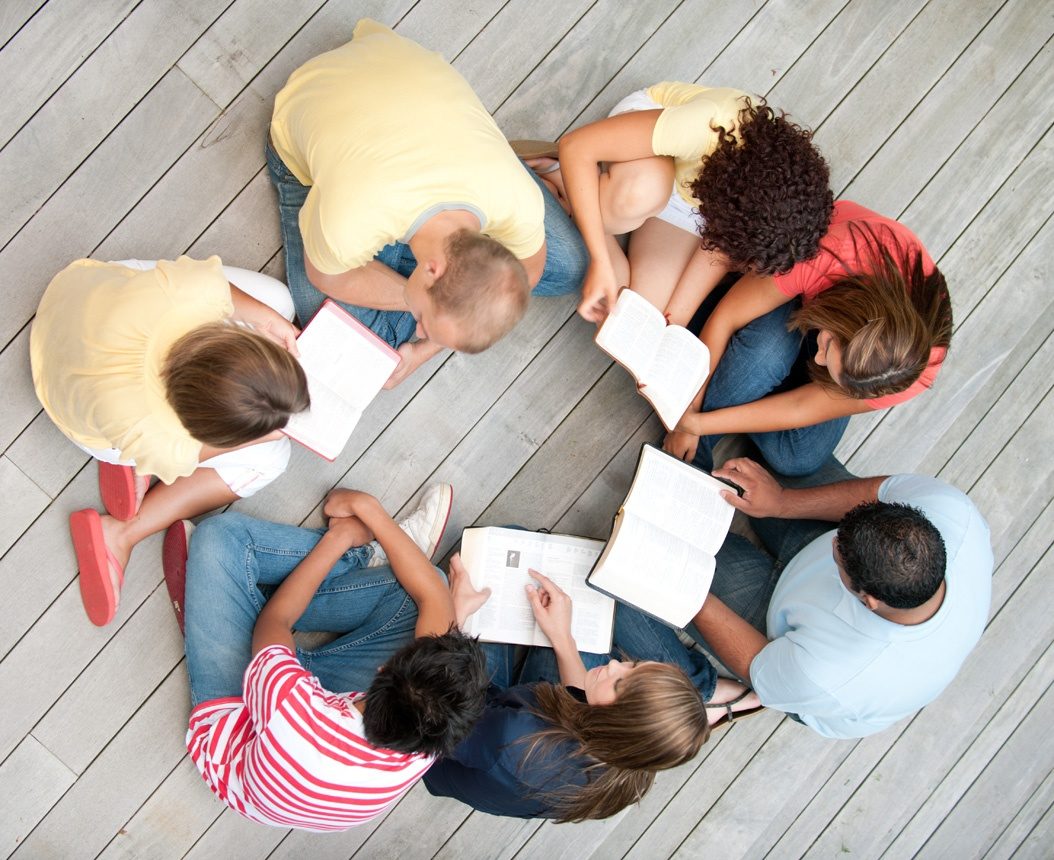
[(274, 741)]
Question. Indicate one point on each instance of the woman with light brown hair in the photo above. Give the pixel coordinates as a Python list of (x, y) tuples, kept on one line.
[(864, 325), (164, 370), (560, 740)]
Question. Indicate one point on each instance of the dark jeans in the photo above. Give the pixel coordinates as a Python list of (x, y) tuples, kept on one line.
[(765, 358)]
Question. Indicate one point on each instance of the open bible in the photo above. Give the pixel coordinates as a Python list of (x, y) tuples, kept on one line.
[(660, 556), (668, 361), (346, 365), (499, 559)]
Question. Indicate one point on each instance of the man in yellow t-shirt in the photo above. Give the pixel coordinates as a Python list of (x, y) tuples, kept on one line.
[(400, 198)]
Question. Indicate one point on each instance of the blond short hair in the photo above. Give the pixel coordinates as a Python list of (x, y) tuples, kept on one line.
[(484, 288)]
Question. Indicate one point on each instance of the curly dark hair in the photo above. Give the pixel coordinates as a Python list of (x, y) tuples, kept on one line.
[(764, 192)]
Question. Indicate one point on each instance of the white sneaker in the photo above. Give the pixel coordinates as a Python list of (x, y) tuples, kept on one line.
[(425, 525)]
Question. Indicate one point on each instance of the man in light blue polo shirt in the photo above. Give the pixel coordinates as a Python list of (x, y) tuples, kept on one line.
[(852, 629)]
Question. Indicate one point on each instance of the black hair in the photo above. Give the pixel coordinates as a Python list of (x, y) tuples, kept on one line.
[(892, 552), (428, 695)]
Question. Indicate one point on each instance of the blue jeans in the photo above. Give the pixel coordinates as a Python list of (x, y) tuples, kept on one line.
[(764, 358), (636, 637), (566, 257), (236, 561), (746, 576)]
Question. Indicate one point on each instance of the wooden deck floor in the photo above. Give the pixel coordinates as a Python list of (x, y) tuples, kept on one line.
[(136, 127)]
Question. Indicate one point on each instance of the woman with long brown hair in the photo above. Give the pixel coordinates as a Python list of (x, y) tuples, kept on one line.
[(863, 325), (560, 740)]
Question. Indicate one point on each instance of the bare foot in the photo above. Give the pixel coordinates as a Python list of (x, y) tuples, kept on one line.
[(114, 534), (727, 691), (142, 484)]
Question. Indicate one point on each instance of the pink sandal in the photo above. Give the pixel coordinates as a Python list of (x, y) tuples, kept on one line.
[(94, 560), (117, 488)]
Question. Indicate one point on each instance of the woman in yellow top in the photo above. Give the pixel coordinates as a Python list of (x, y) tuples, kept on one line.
[(172, 371), (749, 194)]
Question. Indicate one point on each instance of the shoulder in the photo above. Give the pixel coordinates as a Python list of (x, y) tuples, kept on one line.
[(967, 539)]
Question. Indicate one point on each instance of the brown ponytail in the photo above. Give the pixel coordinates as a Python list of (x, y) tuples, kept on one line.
[(229, 385), (657, 722), (887, 316)]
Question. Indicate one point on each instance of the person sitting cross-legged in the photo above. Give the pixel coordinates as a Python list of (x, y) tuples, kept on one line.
[(400, 198), (274, 730), (575, 736), (852, 627)]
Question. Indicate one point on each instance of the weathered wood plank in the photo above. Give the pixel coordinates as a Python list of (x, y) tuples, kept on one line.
[(46, 456), (100, 192), (1013, 840), (663, 58), (116, 683), (799, 23), (14, 14), (95, 808), (935, 37), (540, 109), (170, 820), (971, 775), (15, 484), (47, 49), (240, 43), (1019, 766), (87, 108), (31, 780), (20, 400), (963, 96), (1037, 845)]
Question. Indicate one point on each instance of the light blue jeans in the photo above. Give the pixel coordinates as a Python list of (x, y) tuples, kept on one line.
[(235, 563), (566, 257), (636, 637), (761, 359)]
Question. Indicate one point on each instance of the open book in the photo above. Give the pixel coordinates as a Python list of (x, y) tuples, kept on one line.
[(499, 559), (669, 361), (346, 365), (660, 557)]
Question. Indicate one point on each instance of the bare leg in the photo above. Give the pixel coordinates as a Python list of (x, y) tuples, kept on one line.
[(659, 254), (703, 272), (163, 504)]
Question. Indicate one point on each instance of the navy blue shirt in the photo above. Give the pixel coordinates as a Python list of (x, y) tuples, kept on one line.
[(487, 769)]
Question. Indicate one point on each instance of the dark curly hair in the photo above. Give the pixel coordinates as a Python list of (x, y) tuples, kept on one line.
[(764, 192)]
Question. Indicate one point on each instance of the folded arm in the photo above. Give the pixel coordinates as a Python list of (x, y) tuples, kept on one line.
[(625, 137), (371, 286), (435, 608)]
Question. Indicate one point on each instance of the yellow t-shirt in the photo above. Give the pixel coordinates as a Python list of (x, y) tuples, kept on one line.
[(97, 347), (387, 134), (683, 129)]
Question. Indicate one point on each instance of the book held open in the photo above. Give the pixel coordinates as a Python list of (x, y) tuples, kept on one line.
[(660, 556), (669, 361), (499, 559), (346, 366)]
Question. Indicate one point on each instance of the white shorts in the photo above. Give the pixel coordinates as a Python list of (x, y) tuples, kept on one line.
[(678, 211), (246, 470)]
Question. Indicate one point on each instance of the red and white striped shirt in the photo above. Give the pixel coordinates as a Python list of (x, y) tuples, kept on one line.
[(292, 754)]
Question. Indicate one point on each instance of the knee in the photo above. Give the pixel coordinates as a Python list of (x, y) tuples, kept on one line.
[(638, 191), (790, 459), (214, 540)]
